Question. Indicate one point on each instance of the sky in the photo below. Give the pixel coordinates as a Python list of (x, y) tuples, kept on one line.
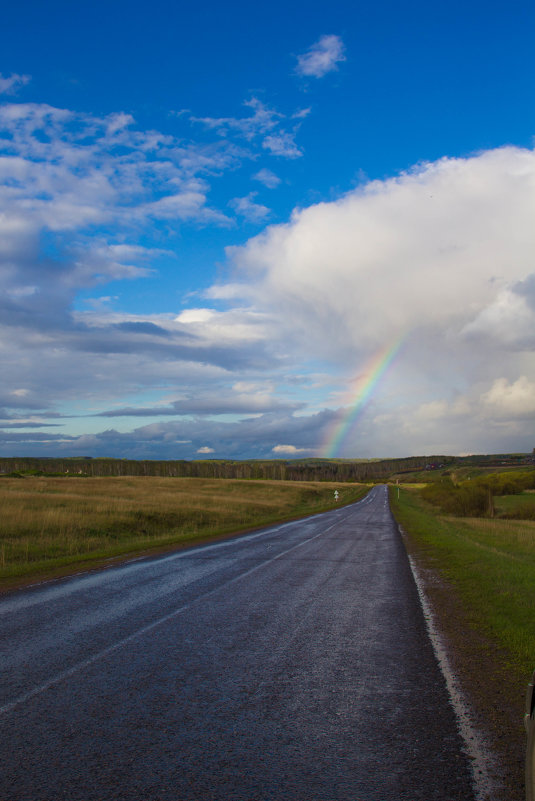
[(267, 231)]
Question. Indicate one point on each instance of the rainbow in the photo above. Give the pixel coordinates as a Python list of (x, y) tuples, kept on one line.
[(359, 396)]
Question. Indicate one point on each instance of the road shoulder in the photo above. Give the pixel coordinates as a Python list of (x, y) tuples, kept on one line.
[(495, 702)]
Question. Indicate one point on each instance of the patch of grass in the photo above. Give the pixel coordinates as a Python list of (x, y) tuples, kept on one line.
[(516, 507), (47, 522), (490, 563)]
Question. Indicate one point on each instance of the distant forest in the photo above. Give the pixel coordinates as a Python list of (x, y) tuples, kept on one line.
[(273, 469)]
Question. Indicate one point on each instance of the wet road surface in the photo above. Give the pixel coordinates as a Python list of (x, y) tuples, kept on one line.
[(291, 664)]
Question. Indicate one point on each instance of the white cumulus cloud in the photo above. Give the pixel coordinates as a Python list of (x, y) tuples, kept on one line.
[(511, 399), (433, 248), (439, 258), (289, 450)]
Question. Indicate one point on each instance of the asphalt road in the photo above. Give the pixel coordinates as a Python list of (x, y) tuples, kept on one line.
[(291, 664)]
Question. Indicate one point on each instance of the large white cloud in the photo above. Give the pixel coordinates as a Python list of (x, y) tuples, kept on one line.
[(441, 257), (434, 247), (511, 400)]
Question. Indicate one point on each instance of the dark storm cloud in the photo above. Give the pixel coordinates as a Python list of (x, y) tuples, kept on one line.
[(142, 328), (34, 437), (108, 340), (207, 406), (31, 425), (249, 438)]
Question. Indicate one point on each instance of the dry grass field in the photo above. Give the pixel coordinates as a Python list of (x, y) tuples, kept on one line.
[(49, 523)]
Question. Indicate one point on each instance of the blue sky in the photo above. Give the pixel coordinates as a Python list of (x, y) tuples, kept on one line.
[(215, 221)]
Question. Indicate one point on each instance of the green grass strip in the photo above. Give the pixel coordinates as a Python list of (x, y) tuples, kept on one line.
[(489, 563)]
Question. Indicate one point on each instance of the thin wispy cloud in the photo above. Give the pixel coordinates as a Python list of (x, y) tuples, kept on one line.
[(282, 144), (271, 129), (260, 121), (323, 57), (10, 85), (268, 178), (249, 209)]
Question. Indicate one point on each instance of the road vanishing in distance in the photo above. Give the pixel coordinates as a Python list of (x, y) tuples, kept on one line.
[(291, 664)]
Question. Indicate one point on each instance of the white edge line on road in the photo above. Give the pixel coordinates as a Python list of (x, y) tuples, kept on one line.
[(65, 674), (478, 753)]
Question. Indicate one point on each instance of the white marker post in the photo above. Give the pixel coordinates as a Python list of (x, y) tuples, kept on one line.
[(336, 495)]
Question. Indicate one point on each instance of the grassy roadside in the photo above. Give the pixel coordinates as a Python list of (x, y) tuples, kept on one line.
[(491, 565), (480, 579), (53, 525), (514, 505)]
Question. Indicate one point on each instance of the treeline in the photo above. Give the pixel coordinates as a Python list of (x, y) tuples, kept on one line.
[(475, 497), (279, 470), (495, 459)]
